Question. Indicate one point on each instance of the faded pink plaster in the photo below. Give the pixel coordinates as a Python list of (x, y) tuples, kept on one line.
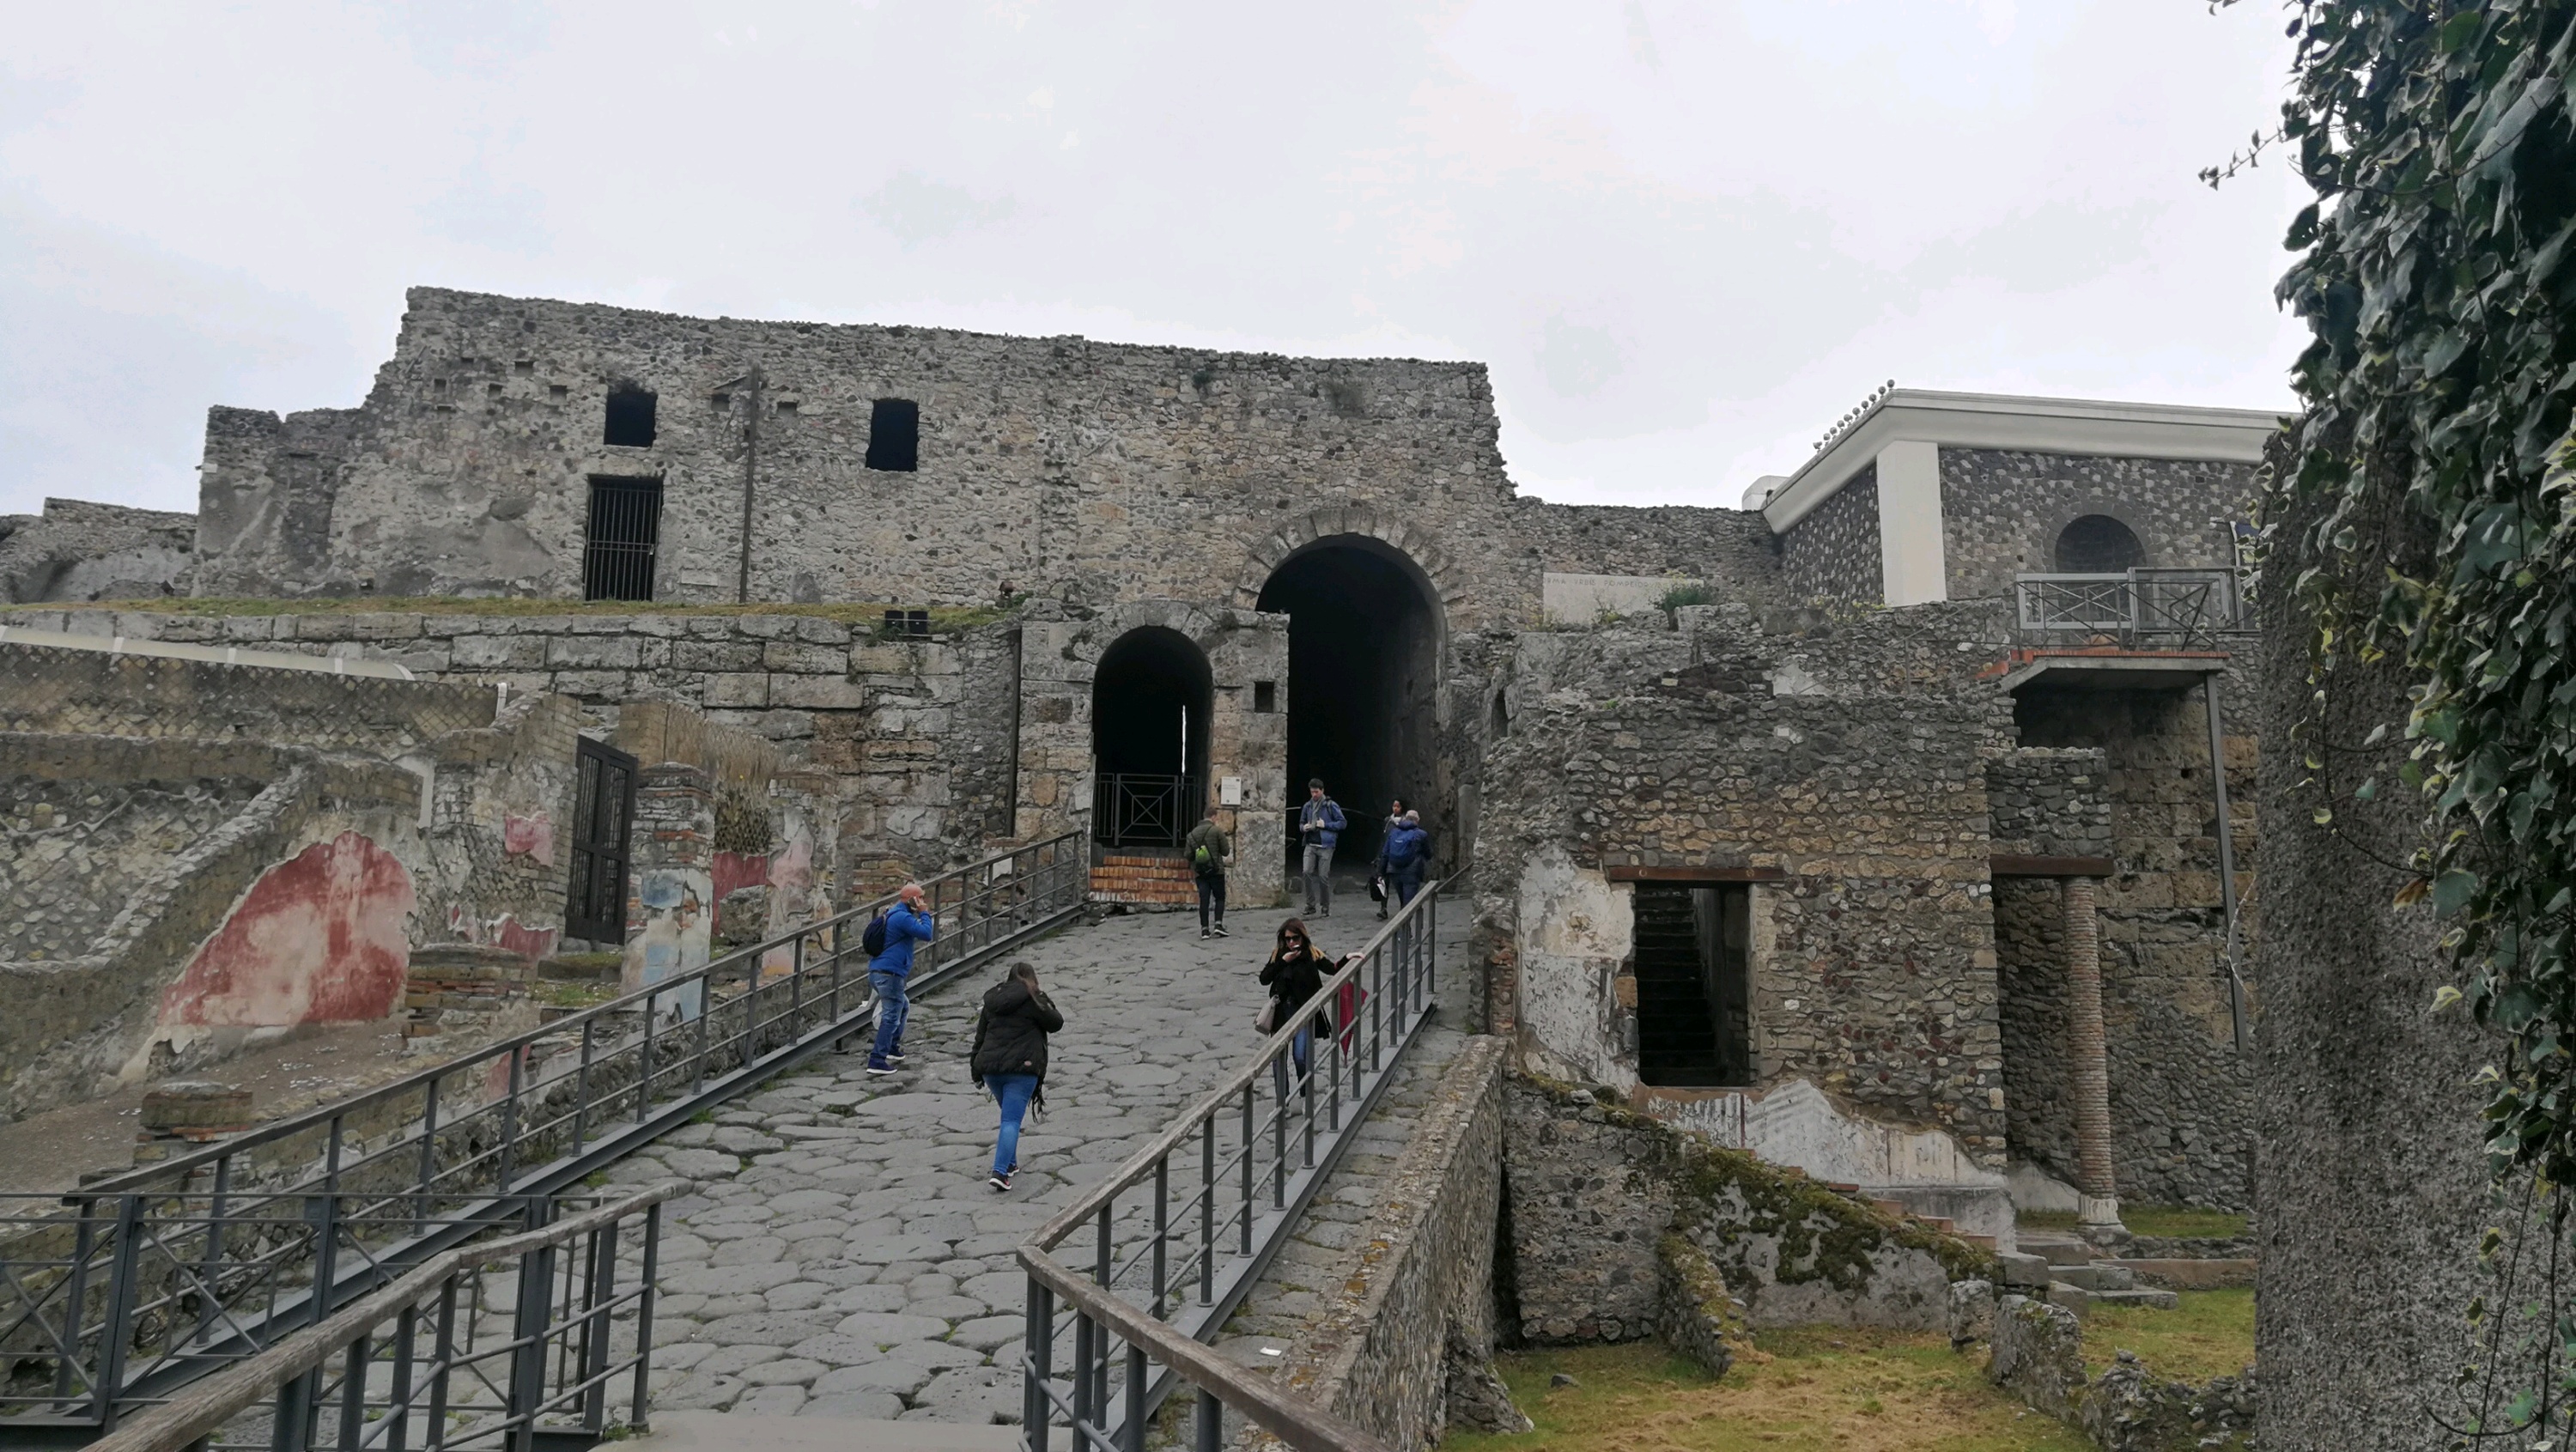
[(318, 939), (532, 836)]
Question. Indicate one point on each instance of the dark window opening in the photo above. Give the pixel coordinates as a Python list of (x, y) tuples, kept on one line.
[(630, 418), (622, 539), (1694, 1015), (491, 390), (1149, 739), (894, 435), (908, 624), (1502, 716), (2097, 544), (720, 402), (603, 809), (557, 393), (1265, 697), (525, 368), (438, 388), (786, 408)]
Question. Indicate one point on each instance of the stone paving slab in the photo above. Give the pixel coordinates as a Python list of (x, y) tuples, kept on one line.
[(840, 1254)]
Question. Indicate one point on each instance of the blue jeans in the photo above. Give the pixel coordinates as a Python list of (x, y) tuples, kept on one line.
[(892, 1009), (1014, 1091), (1301, 1048)]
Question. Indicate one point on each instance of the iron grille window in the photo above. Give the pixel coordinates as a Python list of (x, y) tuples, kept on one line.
[(624, 535)]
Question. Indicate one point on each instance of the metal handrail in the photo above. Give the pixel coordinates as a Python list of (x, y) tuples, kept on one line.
[(1363, 1054), (2142, 606), (184, 1423), (392, 1180), (664, 989)]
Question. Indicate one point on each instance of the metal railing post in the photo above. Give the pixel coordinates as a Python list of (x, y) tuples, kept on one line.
[(1037, 1410), (528, 1329), (1207, 1209), (116, 1330), (644, 1317), (1210, 1423)]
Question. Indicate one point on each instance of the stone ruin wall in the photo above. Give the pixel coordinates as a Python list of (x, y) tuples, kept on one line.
[(2181, 1096), (2044, 803), (2002, 510), (1834, 553), (81, 550), (1084, 471), (1850, 757)]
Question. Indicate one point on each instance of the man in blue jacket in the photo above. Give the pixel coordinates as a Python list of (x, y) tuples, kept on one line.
[(1405, 858), (1319, 826), (907, 923)]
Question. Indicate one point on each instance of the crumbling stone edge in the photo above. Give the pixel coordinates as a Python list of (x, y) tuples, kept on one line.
[(2037, 1354)]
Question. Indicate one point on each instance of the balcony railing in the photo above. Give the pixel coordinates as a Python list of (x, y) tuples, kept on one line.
[(2142, 609)]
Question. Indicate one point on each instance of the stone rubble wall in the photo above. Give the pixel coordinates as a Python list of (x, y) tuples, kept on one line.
[(2181, 1095), (1847, 756), (1731, 550), (80, 550), (2036, 1352), (2047, 802), (71, 849), (1384, 1348), (1595, 1187), (2002, 510), (1835, 552), (128, 1002), (2038, 1009)]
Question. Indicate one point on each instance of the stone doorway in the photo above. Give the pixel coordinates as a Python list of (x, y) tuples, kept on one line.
[(1150, 707), (1363, 685)]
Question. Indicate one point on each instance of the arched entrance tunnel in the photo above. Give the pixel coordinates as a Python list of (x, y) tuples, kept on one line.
[(1363, 676), (1150, 696)]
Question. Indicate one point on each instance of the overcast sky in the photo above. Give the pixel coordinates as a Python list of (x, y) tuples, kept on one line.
[(1685, 236)]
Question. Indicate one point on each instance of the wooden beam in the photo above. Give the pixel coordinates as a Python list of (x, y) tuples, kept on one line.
[(2014, 864), (1621, 872)]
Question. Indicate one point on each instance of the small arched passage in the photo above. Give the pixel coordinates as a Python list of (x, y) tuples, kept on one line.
[(1363, 682), (1150, 698)]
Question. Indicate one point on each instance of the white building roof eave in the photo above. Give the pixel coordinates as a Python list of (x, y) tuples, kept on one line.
[(2039, 425)]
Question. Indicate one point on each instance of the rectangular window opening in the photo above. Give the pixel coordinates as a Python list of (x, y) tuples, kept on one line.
[(1694, 984), (894, 435), (908, 624), (1265, 696), (622, 540), (630, 417), (525, 367), (557, 393), (491, 390), (720, 402)]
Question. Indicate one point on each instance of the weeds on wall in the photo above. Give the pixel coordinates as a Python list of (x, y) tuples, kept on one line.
[(2437, 272)]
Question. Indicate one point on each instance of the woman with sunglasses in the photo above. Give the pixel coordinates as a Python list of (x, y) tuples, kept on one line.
[(1296, 972)]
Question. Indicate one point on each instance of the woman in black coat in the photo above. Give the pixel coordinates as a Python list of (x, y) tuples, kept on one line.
[(1010, 1057), (1296, 972)]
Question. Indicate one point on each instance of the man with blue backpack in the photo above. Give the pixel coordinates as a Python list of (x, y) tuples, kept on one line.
[(1319, 827), (1405, 858), (888, 943)]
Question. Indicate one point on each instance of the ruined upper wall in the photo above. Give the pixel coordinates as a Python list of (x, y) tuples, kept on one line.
[(1059, 466), (79, 550), (1732, 549)]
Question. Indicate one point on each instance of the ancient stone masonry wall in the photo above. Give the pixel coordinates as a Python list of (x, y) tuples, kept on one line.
[(50, 689), (1849, 758), (78, 550), (1834, 553), (2050, 803), (1732, 549), (268, 917), (2181, 1105), (2002, 510), (1082, 471), (72, 849), (1594, 1188)]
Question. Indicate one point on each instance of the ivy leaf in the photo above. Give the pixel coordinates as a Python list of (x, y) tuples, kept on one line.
[(2458, 31), (2452, 891)]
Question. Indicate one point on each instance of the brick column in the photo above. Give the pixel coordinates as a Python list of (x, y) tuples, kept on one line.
[(2099, 1211)]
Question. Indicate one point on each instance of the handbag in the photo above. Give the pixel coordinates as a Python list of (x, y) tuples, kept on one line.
[(1377, 889), (1268, 1023)]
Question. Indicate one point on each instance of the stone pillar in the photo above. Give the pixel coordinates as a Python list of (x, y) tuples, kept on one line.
[(2099, 1208), (670, 920)]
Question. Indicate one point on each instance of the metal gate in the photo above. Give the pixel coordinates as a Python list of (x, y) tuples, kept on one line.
[(603, 814), (1129, 810)]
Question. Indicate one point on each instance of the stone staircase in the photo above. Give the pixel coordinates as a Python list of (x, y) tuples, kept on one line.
[(1138, 879), (2061, 1269)]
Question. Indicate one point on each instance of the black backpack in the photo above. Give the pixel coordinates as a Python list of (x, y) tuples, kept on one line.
[(872, 942)]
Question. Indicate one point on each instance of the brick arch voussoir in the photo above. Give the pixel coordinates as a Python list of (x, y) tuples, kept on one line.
[(1410, 539)]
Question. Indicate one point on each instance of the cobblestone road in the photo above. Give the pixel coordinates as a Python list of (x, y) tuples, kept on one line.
[(842, 1255)]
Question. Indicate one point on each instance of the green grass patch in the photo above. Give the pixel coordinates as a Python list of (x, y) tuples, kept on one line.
[(943, 618), (2044, 1219), (2210, 1334), (2182, 1222), (573, 993), (1814, 1390)]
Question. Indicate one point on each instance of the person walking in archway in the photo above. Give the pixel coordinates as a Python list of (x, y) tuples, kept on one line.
[(1009, 1058), (1206, 851), (908, 922), (1320, 828), (1385, 891), (1296, 972), (1405, 858)]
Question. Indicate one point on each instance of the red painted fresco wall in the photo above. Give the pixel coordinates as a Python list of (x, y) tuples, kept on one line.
[(319, 939)]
